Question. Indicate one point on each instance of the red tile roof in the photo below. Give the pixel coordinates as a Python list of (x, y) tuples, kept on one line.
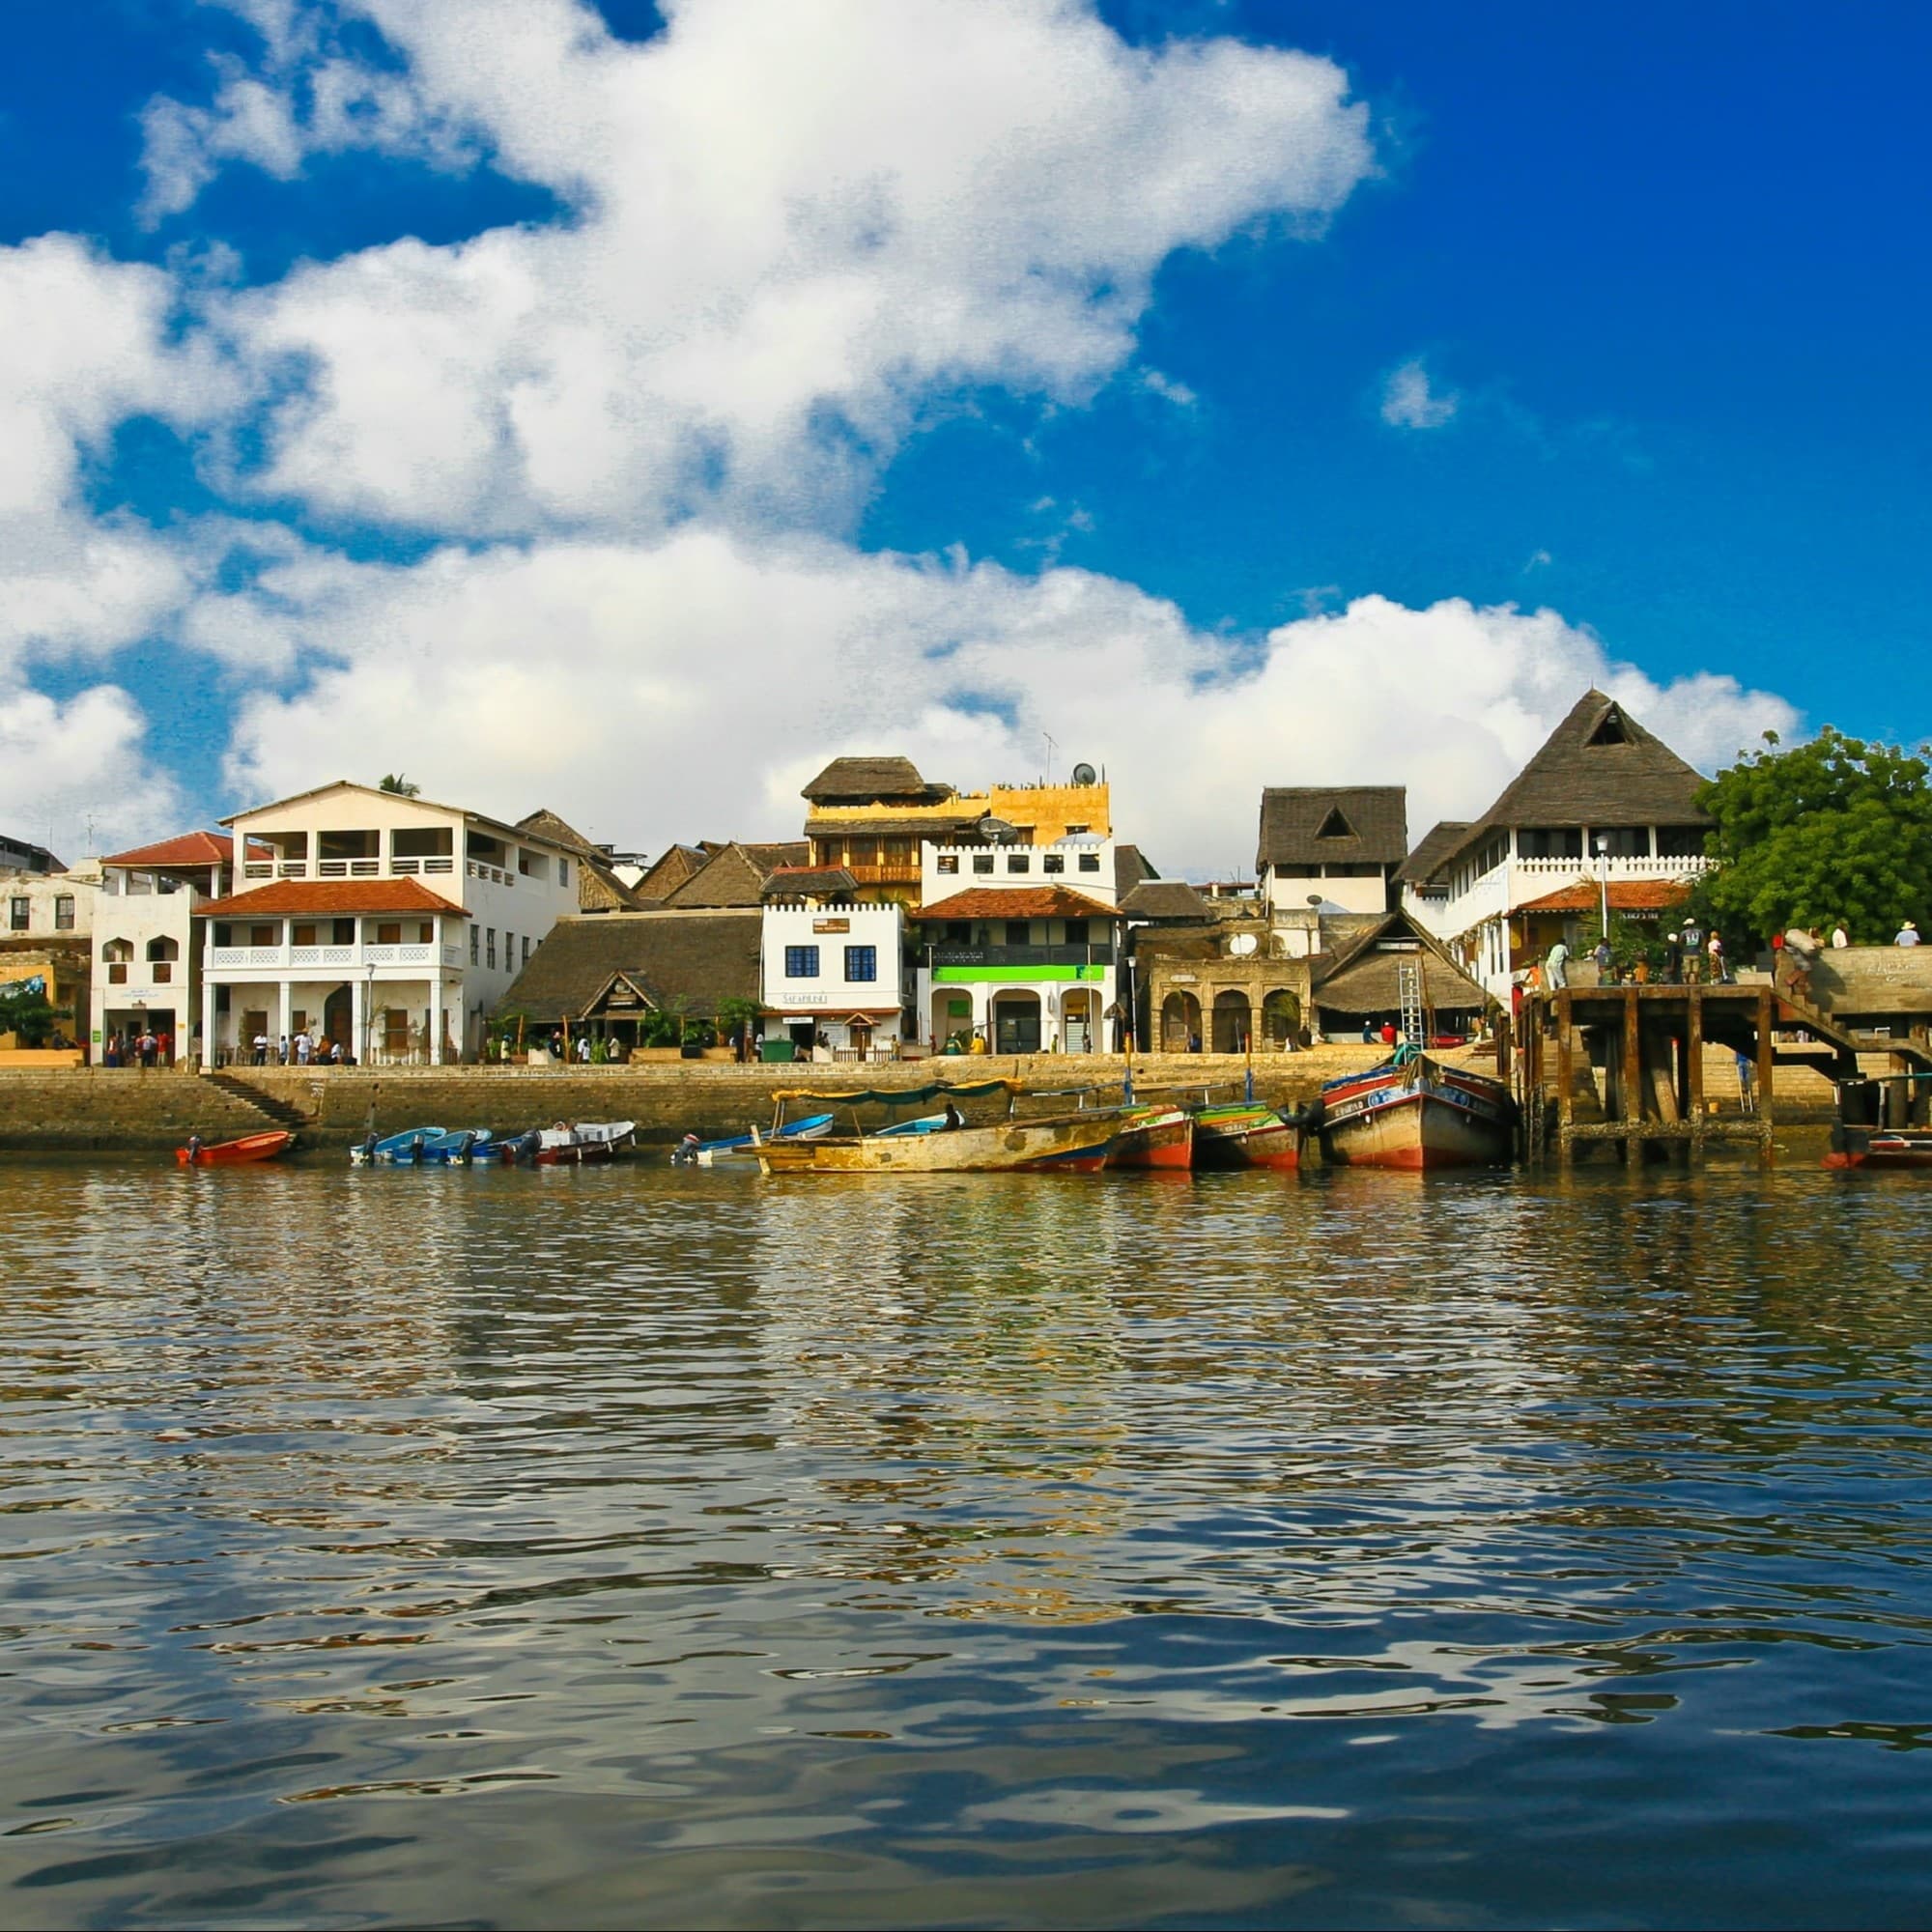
[(191, 849), (1639, 896), (1017, 902), (328, 898)]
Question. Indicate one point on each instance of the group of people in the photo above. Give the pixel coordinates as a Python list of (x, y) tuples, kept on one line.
[(144, 1049), (1692, 955), (306, 1050)]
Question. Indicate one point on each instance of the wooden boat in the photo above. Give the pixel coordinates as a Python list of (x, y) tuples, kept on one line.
[(570, 1144), (1062, 1144), (401, 1150), (1244, 1133), (233, 1154), (1415, 1113), (1155, 1137)]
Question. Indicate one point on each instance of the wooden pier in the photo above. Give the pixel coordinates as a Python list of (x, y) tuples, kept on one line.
[(1623, 1068)]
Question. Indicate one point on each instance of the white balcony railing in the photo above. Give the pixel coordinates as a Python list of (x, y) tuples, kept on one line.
[(331, 958)]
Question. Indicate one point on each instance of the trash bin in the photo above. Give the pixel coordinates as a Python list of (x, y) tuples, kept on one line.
[(774, 1051)]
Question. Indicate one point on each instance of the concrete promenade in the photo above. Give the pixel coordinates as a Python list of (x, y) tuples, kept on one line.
[(122, 1109)]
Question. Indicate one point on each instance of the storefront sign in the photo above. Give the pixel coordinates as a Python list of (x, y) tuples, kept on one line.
[(832, 926)]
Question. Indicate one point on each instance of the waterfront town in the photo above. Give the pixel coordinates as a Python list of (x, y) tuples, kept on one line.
[(366, 924)]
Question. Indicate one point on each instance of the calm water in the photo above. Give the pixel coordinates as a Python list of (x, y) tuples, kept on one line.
[(658, 1547)]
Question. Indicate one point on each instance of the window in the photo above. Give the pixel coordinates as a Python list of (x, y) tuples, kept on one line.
[(475, 945), (17, 917), (509, 953), (1076, 932), (1053, 861), (1019, 931), (224, 935), (1621, 842), (1072, 829), (304, 935), (389, 932), (1557, 841), (342, 933), (563, 871), (861, 963), (426, 932), (1019, 862), (1090, 861), (948, 862), (489, 946), (1336, 826), (982, 862), (959, 932), (532, 866), (526, 949), (801, 962), (1680, 841), (64, 913), (264, 935)]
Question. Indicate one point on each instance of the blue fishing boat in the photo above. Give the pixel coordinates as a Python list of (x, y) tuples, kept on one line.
[(403, 1149), (458, 1147), (743, 1146)]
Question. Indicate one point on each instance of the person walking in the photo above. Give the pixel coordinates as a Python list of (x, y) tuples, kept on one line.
[(1558, 964), (1715, 948)]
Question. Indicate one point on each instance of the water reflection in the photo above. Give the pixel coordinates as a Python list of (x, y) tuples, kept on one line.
[(979, 1549)]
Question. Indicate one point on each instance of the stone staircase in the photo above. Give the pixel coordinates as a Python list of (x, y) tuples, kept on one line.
[(275, 1112)]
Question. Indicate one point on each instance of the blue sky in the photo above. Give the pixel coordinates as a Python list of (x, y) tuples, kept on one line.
[(1651, 281)]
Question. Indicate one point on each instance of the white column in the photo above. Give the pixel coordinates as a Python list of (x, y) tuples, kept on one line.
[(435, 1017), (358, 1016), (207, 1018), (288, 1015)]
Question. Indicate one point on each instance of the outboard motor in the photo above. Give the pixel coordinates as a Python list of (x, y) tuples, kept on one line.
[(685, 1153)]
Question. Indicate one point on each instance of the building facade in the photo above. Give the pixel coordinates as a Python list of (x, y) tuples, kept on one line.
[(388, 925), (1603, 802), (831, 969), (1332, 849)]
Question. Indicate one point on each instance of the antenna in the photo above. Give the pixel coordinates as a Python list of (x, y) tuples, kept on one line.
[(1051, 748)]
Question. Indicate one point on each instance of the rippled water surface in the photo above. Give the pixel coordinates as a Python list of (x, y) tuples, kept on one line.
[(678, 1549)]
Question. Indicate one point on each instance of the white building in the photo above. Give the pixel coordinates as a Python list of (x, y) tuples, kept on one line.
[(390, 925), (1604, 802), (831, 969), (1332, 849)]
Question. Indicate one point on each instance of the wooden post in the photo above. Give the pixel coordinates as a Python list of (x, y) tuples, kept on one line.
[(1633, 1075), (1693, 1071), (1566, 1144), (1767, 1072)]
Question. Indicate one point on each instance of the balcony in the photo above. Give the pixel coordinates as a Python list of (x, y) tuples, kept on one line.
[(329, 958), (1100, 953)]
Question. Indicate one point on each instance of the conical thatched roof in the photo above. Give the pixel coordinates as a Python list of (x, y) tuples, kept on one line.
[(1305, 826), (1599, 767), (863, 781)]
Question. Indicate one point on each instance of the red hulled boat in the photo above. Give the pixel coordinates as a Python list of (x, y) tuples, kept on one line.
[(1415, 1113), (1155, 1137), (233, 1154)]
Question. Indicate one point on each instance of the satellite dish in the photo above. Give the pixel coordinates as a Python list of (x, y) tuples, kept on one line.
[(1084, 775), (1242, 944)]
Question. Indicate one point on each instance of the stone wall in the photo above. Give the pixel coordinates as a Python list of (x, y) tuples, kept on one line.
[(96, 1109)]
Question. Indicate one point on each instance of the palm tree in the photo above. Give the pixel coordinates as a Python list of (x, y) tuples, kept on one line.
[(397, 782)]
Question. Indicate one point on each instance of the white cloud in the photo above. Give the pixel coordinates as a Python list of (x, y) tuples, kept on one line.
[(1410, 401), (704, 679), (790, 228), (65, 767)]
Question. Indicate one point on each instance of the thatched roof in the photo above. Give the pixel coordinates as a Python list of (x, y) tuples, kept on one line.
[(1599, 767), (736, 876), (695, 959), (1361, 976), (809, 882), (674, 864), (544, 823), (861, 781), (1166, 899), (1438, 845), (1305, 827), (1131, 870)]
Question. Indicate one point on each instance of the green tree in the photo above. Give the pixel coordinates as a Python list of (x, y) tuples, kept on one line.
[(1835, 831), (397, 782)]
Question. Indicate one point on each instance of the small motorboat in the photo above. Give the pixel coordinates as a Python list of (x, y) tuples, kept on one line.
[(457, 1149), (511, 1151), (233, 1154), (569, 1144), (403, 1149), (743, 1146)]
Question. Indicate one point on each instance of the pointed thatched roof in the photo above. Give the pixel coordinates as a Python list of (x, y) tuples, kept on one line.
[(1132, 868), (1599, 767), (1166, 901), (736, 876), (866, 781), (1305, 827), (679, 961), (1361, 976)]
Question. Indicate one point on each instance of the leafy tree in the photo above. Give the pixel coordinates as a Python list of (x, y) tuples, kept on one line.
[(1835, 831), (397, 782), (32, 1018)]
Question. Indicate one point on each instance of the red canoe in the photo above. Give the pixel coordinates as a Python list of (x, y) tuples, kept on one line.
[(229, 1153)]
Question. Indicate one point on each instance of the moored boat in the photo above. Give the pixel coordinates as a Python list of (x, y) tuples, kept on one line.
[(1244, 1133), (1415, 1113), (1861, 1141), (399, 1149), (1155, 1137), (742, 1146), (1062, 1144), (458, 1147), (570, 1144), (235, 1153)]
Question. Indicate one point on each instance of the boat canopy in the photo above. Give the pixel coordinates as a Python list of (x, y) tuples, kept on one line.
[(900, 1096)]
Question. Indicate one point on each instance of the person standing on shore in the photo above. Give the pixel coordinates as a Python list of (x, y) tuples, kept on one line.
[(1841, 939), (1556, 961), (1715, 950), (1907, 935), (1691, 938)]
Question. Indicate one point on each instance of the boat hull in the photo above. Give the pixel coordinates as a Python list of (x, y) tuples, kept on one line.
[(1416, 1118), (576, 1147), (1880, 1153), (1245, 1136), (238, 1152), (1162, 1138), (1073, 1144)]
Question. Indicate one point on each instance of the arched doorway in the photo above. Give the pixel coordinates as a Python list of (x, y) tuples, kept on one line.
[(951, 1019), (1281, 1017), (1016, 1023), (1080, 1020), (1181, 1024), (1234, 1022), (337, 1018)]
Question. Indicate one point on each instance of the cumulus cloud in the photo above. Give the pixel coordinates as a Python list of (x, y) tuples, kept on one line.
[(68, 767), (707, 679), (789, 228), (1410, 401)]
